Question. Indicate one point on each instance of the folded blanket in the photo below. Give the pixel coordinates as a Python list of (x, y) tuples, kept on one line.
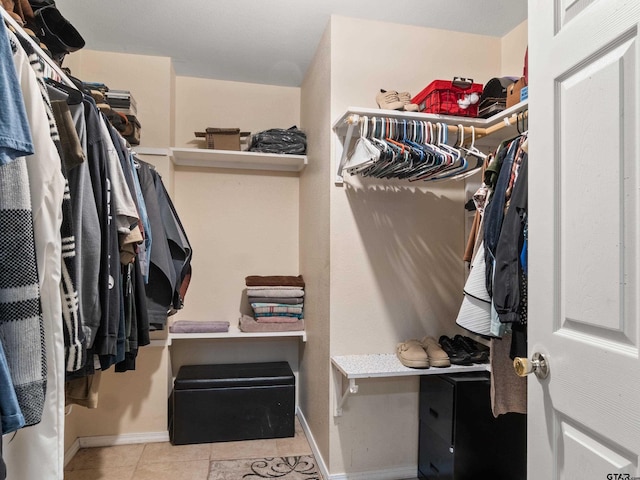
[(278, 314), (274, 280), (248, 324), (279, 300), (275, 308), (273, 287), (277, 319), (295, 293), (190, 326)]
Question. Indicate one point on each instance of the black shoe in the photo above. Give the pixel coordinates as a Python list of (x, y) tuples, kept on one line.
[(457, 355), (478, 352)]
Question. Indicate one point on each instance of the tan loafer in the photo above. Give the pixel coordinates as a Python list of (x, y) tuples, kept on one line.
[(411, 354), (437, 356)]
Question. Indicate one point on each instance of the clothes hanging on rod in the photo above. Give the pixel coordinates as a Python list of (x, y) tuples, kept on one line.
[(38, 447), (364, 152), (495, 298), (413, 150), (78, 270)]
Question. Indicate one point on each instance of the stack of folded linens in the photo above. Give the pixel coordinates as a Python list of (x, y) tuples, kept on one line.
[(193, 326), (277, 302)]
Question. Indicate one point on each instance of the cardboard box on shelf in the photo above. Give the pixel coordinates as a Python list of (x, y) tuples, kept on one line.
[(222, 138), (513, 92)]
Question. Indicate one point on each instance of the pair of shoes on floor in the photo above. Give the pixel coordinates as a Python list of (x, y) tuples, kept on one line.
[(422, 353), (392, 100), (464, 350)]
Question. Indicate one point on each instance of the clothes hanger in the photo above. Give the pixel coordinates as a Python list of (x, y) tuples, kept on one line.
[(75, 96)]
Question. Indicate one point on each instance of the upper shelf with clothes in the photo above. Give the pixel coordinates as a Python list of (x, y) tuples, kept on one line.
[(410, 132)]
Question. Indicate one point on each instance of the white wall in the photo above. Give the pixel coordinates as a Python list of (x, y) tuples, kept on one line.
[(315, 243), (202, 103), (396, 248), (514, 45)]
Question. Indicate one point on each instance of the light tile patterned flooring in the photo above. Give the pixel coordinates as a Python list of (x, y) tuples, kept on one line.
[(163, 461)]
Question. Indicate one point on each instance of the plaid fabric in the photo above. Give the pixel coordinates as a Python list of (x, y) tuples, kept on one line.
[(21, 322), (275, 308)]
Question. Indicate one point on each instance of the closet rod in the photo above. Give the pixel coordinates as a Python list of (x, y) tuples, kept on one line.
[(20, 31), (451, 128), (506, 122)]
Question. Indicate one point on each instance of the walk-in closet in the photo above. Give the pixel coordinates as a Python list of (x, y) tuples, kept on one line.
[(311, 277)]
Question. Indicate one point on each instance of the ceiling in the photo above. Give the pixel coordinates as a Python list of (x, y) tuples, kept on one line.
[(262, 41)]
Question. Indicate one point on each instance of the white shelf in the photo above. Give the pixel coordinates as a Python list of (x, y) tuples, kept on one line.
[(384, 365), (341, 123), (235, 333), (380, 365), (201, 157)]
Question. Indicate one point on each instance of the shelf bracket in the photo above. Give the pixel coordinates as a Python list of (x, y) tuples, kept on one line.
[(352, 389), (352, 121)]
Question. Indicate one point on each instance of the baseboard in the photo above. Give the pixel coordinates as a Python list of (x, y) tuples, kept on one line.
[(409, 471), (390, 474), (123, 439), (312, 443), (71, 452)]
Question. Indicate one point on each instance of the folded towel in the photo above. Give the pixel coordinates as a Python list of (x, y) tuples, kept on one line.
[(278, 314), (280, 300), (277, 319), (273, 287), (275, 308), (275, 293), (190, 326), (274, 280), (248, 324)]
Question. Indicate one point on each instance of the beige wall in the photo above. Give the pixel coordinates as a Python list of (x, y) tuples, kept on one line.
[(148, 79), (202, 103), (314, 244), (129, 402), (396, 248), (514, 45), (239, 223)]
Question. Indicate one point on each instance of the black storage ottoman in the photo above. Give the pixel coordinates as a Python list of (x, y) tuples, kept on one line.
[(242, 401)]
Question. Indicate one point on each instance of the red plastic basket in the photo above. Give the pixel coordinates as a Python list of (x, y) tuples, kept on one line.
[(447, 97)]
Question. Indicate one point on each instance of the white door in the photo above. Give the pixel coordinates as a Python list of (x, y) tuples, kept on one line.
[(584, 238)]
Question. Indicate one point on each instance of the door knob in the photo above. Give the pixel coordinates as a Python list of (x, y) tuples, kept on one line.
[(537, 365)]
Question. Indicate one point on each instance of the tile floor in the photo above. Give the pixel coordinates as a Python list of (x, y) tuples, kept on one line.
[(163, 461)]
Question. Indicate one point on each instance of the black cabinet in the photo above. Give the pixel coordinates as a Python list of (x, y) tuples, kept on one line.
[(459, 437)]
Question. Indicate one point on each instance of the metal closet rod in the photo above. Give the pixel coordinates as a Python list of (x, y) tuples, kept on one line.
[(20, 31), (353, 120)]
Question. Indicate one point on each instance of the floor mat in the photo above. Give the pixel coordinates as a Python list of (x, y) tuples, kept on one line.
[(284, 468)]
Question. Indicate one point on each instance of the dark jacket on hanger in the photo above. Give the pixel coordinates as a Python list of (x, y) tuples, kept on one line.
[(494, 213), (508, 272), (109, 280), (178, 243), (162, 275)]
